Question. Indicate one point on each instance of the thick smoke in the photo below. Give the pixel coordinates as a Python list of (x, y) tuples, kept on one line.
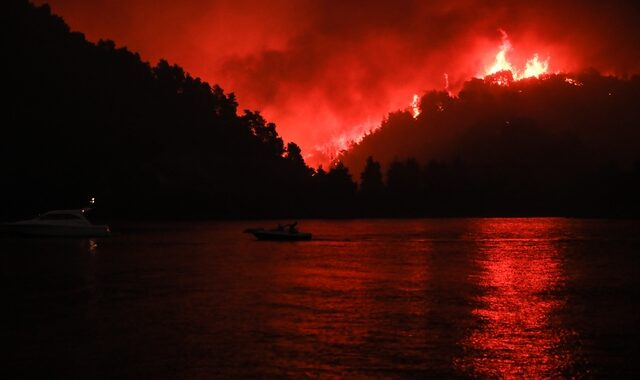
[(328, 71)]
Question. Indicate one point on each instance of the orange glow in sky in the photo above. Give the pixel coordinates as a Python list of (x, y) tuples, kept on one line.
[(328, 72)]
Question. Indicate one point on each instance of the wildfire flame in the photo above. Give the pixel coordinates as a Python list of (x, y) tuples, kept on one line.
[(415, 106), (446, 84), (534, 67), (501, 63)]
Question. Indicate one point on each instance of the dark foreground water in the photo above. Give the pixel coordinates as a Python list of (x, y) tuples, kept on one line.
[(498, 298)]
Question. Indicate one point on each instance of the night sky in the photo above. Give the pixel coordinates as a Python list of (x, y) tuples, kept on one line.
[(328, 71)]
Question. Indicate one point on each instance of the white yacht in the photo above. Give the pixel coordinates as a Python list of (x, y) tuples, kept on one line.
[(59, 223)]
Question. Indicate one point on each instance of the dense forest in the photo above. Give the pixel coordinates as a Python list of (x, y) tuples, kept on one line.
[(85, 119), (561, 144)]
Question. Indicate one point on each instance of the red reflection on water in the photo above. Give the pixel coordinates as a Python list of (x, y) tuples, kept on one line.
[(520, 268), (334, 315)]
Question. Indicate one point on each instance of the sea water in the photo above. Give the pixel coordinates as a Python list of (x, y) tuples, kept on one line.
[(498, 298)]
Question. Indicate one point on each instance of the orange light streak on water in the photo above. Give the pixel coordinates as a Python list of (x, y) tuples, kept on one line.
[(516, 338)]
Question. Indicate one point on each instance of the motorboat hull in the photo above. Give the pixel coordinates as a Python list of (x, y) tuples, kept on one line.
[(280, 235)]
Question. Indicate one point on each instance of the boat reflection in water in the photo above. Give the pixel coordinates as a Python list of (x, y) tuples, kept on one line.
[(519, 275)]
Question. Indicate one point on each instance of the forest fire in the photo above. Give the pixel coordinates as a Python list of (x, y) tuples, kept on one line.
[(534, 67), (324, 71)]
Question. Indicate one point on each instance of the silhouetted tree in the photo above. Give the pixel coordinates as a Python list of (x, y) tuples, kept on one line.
[(371, 184), (340, 191), (371, 189), (403, 186)]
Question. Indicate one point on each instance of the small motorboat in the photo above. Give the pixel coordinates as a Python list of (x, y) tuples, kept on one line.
[(59, 223), (287, 232)]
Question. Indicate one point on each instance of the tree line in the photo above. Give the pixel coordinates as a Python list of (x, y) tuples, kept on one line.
[(458, 188)]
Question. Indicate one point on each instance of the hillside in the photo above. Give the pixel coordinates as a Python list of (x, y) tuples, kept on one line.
[(86, 119), (561, 144)]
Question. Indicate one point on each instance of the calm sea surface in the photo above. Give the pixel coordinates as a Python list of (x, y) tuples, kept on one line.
[(497, 298)]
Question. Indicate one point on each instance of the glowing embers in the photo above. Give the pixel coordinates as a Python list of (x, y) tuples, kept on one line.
[(503, 72), (574, 82)]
